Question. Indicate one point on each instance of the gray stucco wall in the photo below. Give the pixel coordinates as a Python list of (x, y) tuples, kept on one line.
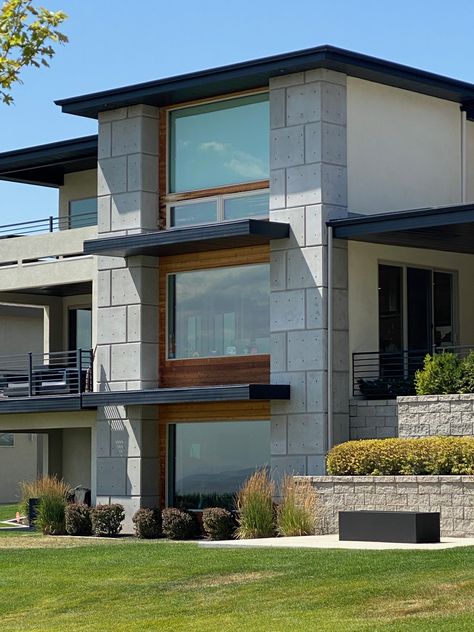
[(452, 496)]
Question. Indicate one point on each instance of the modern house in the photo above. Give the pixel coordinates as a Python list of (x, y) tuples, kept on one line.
[(240, 259)]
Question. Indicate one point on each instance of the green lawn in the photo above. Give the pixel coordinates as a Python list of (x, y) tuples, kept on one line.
[(8, 511), (61, 584)]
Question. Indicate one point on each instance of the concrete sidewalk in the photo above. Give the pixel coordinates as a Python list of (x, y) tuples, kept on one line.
[(332, 542)]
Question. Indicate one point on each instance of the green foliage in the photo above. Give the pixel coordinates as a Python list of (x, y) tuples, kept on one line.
[(27, 36), (387, 457), (107, 520), (177, 524), (50, 486), (147, 523), (297, 513), (466, 383), (218, 523), (440, 375), (256, 515), (51, 515), (78, 519)]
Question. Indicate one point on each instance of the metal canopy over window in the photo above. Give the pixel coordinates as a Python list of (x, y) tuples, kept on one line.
[(447, 228)]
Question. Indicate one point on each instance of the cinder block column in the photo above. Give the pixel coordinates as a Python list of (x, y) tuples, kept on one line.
[(127, 308), (308, 186)]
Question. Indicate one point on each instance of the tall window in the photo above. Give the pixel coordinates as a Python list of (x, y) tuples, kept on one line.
[(209, 461), (7, 440), (215, 146), (219, 312), (80, 328), (82, 212)]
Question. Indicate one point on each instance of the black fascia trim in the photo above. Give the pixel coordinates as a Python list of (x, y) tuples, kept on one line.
[(47, 164), (402, 221), (256, 73), (190, 239), (44, 403), (234, 392)]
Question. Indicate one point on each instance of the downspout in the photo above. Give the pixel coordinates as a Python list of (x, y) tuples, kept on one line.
[(463, 158), (330, 341)]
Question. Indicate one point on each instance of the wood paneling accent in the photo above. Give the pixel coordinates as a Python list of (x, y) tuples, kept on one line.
[(209, 371)]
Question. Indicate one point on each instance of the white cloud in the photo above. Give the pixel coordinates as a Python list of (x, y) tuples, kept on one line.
[(214, 146)]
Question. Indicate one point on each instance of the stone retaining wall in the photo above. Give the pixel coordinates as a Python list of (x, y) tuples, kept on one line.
[(373, 419), (428, 415), (453, 496)]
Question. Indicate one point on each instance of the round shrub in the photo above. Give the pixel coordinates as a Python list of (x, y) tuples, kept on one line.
[(78, 519), (147, 523), (107, 520), (218, 524), (388, 457), (177, 524), (440, 375)]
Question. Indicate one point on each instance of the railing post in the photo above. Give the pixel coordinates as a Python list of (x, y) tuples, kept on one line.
[(30, 374), (50, 223), (79, 372)]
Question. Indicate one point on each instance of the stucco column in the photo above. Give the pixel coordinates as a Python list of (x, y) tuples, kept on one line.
[(127, 308), (308, 185)]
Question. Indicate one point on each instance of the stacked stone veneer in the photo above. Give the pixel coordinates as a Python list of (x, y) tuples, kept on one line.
[(373, 419), (452, 496), (430, 415), (308, 185)]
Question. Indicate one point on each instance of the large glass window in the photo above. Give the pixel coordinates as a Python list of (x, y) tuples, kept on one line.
[(219, 144), (83, 213), (211, 460), (80, 328), (219, 312)]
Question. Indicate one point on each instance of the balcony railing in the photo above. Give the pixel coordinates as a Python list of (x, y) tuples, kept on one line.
[(377, 375), (42, 374), (48, 225)]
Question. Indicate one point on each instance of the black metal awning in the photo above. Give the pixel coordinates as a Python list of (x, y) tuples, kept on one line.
[(180, 395), (243, 232), (448, 228)]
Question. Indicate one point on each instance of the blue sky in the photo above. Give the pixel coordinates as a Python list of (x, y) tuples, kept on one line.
[(118, 42)]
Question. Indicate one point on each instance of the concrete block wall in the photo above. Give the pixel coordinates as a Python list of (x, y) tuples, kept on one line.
[(127, 309), (373, 419), (307, 187), (431, 415), (452, 496)]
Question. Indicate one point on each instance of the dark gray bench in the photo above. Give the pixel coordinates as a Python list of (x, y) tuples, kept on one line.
[(389, 526)]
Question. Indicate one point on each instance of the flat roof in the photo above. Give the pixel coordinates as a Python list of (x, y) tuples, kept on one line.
[(256, 73), (189, 239), (447, 228), (46, 165)]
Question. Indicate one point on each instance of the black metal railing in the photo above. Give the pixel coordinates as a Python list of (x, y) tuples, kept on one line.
[(48, 225), (56, 373), (377, 375)]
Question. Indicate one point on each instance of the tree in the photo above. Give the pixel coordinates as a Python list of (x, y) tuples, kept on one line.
[(27, 36)]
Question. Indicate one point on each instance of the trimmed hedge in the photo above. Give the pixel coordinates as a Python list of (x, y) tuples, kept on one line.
[(218, 523), (177, 524), (385, 457), (107, 520), (147, 523)]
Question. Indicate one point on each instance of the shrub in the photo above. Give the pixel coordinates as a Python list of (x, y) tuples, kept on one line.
[(50, 486), (297, 514), (78, 519), (380, 457), (50, 516), (466, 384), (256, 516), (177, 524), (106, 519), (218, 524), (147, 523), (441, 374)]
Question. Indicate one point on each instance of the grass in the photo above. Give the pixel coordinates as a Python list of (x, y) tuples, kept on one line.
[(62, 584), (8, 511)]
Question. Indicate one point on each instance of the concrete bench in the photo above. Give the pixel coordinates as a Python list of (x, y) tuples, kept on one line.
[(389, 526)]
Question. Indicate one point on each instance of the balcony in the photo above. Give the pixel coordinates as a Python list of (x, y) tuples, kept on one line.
[(377, 375), (45, 381)]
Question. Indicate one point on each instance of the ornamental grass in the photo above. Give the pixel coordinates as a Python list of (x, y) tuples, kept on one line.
[(256, 515), (297, 512)]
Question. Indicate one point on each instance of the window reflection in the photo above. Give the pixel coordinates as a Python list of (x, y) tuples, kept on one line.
[(219, 312), (213, 459)]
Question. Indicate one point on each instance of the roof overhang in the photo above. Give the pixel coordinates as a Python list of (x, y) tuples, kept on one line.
[(227, 393), (256, 74), (46, 165), (238, 233), (447, 228)]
